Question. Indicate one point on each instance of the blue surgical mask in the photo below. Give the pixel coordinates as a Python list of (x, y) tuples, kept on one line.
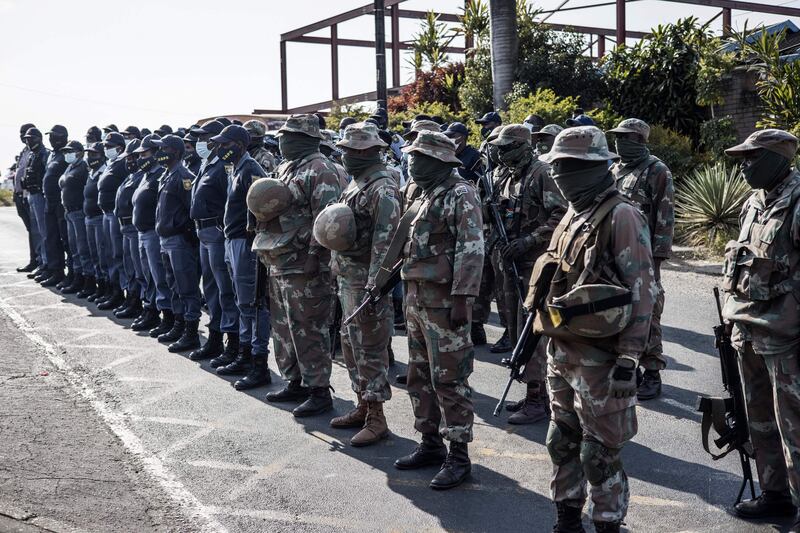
[(70, 157), (111, 153), (202, 149)]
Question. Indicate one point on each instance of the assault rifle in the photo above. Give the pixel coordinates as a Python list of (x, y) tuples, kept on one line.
[(385, 281), (261, 290), (727, 415)]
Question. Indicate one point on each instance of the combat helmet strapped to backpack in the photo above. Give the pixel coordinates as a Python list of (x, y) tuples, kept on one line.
[(335, 227)]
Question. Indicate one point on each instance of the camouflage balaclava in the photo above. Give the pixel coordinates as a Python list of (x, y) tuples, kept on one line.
[(296, 146), (631, 151), (581, 181), (428, 171), (356, 163)]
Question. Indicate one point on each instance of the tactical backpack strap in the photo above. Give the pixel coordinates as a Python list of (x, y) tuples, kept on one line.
[(400, 237), (568, 313), (352, 192), (601, 211)]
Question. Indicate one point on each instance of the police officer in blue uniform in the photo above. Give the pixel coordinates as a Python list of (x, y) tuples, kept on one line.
[(123, 209), (112, 177), (72, 183), (95, 286), (254, 323), (32, 185), (191, 160), (471, 165), (209, 192), (179, 244), (55, 223), (157, 297)]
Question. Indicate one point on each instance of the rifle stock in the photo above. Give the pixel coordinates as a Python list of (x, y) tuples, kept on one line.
[(384, 283)]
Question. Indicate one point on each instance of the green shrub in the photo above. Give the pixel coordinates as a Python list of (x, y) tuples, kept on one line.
[(339, 111), (605, 117), (674, 149), (707, 206), (716, 135), (544, 102), (6, 198)]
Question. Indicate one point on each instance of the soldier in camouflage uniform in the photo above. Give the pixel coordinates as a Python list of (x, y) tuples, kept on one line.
[(543, 139), (531, 206), (647, 182), (300, 287), (762, 281), (443, 256), (257, 150), (358, 231), (602, 240)]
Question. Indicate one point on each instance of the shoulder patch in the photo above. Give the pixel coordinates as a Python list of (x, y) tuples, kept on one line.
[(187, 184), (461, 189)]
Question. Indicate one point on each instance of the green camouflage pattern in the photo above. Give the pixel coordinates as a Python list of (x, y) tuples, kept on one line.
[(599, 324), (588, 143), (264, 158), (440, 361), (778, 141), (255, 127), (300, 311), (491, 288), (550, 129), (418, 126), (360, 136), (633, 125), (305, 124), (434, 144), (335, 227), (587, 432), (512, 133), (267, 198), (772, 393)]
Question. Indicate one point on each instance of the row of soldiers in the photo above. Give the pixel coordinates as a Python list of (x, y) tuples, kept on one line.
[(590, 253)]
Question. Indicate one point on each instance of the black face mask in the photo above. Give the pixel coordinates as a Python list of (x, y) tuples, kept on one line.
[(167, 157), (486, 131), (580, 182), (94, 162), (146, 163), (33, 144), (130, 164), (765, 170), (230, 153)]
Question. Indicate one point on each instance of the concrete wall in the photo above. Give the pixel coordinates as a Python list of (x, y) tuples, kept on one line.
[(741, 102)]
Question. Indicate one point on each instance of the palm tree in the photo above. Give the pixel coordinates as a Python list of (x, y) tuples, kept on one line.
[(504, 43)]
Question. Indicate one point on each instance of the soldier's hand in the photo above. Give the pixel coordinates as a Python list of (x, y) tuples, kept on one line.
[(311, 268), (623, 378), (514, 249), (459, 314)]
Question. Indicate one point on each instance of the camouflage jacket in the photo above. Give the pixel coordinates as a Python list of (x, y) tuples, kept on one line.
[(444, 251), (531, 206), (649, 186), (287, 240), (617, 253), (264, 158), (375, 202), (762, 271)]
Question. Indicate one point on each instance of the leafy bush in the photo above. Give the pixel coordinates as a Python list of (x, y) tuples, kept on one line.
[(708, 205), (605, 117), (6, 198), (476, 91), (437, 85), (674, 149), (340, 111), (716, 135), (544, 102)]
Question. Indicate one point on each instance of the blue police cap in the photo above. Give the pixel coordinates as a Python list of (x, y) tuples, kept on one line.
[(173, 142), (115, 139), (212, 127), (457, 128), (233, 133), (148, 143), (491, 116)]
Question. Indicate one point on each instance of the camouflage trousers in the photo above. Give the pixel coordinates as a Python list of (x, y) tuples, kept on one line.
[(536, 368), (587, 432), (772, 391), (364, 344), (653, 356), (491, 288), (440, 360), (300, 309)]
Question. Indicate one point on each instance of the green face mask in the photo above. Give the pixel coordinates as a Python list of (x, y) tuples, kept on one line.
[(630, 150), (427, 171), (296, 146), (542, 148), (356, 164), (516, 157), (766, 170), (580, 182)]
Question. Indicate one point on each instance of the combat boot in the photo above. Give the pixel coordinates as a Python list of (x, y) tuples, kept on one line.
[(401, 379), (569, 519), (229, 354), (212, 348), (239, 366), (108, 293), (769, 504), (259, 374), (116, 299), (53, 280), (125, 302), (147, 320), (355, 418), (478, 334), (430, 452), (606, 527), (650, 387), (43, 275), (399, 317), (30, 267), (294, 391), (89, 286), (534, 408), (67, 281), (375, 428), (455, 470), (164, 325), (503, 345), (175, 332), (319, 401), (189, 339), (133, 310), (99, 291), (75, 286), (35, 272)]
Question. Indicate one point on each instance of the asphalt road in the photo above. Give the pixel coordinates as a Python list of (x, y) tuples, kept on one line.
[(184, 451)]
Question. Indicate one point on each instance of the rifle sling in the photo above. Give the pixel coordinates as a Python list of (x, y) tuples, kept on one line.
[(397, 243), (568, 313)]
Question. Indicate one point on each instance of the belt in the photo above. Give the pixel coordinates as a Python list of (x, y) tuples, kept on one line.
[(125, 221), (208, 222), (72, 209)]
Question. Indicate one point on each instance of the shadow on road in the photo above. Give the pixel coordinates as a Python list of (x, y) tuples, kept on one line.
[(697, 342)]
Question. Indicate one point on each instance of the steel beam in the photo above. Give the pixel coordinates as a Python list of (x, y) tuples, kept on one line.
[(284, 78), (395, 45), (335, 62), (621, 23)]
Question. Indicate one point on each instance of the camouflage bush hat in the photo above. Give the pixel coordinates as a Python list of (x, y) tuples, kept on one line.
[(328, 140), (513, 133), (418, 126), (594, 311), (305, 124), (633, 125), (268, 198), (360, 136), (778, 141), (581, 142), (550, 129), (435, 144), (255, 128), (335, 227), (495, 134)]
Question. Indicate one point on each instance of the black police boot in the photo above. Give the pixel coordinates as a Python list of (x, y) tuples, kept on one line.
[(650, 388), (99, 291), (67, 281), (569, 519), (77, 284), (430, 452), (319, 401), (89, 286), (56, 278), (478, 334), (125, 303), (259, 374), (175, 332), (189, 339), (30, 267), (607, 527), (133, 310), (769, 504), (36, 272), (116, 299), (147, 320), (107, 294), (164, 325), (212, 348), (229, 354), (455, 470), (239, 366), (401, 379), (503, 345), (292, 392), (399, 317)]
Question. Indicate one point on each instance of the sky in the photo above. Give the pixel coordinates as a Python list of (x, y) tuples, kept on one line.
[(150, 62)]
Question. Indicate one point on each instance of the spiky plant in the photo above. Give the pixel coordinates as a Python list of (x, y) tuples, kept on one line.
[(708, 204)]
